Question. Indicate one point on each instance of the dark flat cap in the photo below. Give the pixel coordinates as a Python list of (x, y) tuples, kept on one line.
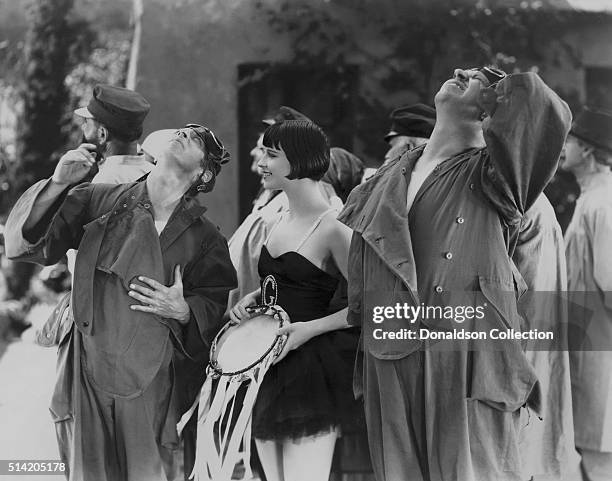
[(119, 109), (284, 113), (415, 120), (594, 127)]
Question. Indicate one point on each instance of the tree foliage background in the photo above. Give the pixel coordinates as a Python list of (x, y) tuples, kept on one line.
[(46, 77), (419, 45)]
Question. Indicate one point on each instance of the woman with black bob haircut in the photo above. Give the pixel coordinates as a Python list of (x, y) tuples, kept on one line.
[(304, 144), (306, 396)]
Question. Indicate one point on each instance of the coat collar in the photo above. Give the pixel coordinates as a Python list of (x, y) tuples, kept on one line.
[(188, 210), (384, 194), (377, 210)]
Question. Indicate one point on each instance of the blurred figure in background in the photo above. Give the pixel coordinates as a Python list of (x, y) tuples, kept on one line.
[(411, 126), (547, 440), (588, 155), (344, 173)]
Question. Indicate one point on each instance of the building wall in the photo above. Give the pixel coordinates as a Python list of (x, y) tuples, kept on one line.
[(191, 50), (188, 69)]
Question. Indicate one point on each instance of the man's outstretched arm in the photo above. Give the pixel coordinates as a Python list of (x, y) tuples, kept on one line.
[(46, 220)]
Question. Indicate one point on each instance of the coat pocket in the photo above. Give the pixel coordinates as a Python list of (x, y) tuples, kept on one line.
[(500, 374)]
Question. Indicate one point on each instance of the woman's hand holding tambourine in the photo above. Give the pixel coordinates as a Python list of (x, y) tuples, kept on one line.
[(239, 312), (297, 334)]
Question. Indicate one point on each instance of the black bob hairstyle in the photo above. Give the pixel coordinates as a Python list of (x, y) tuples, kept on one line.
[(305, 145)]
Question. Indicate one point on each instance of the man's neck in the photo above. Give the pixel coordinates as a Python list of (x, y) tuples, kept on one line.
[(121, 149), (451, 137), (165, 189)]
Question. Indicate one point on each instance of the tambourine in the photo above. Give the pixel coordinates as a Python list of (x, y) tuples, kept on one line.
[(238, 348), (240, 353)]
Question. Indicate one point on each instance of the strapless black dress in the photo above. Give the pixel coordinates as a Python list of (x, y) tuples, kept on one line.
[(311, 389)]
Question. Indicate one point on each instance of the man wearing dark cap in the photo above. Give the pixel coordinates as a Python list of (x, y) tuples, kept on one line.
[(433, 229), (113, 123), (588, 155), (411, 126)]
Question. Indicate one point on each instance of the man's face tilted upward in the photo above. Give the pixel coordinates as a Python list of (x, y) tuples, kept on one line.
[(186, 149), (460, 94)]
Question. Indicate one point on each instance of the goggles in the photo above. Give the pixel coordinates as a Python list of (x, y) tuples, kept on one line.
[(207, 136), (492, 74)]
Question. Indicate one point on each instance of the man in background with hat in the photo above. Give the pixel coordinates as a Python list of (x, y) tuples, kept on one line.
[(113, 123), (588, 155), (411, 127)]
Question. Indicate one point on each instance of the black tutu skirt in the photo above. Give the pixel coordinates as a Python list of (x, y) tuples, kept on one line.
[(310, 391)]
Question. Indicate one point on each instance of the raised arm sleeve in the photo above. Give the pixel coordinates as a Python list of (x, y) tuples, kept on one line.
[(524, 133), (59, 229)]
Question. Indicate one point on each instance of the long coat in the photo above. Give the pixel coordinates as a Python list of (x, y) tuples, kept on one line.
[(121, 350), (455, 240), (588, 241)]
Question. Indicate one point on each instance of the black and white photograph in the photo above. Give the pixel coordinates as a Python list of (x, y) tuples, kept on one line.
[(306, 240)]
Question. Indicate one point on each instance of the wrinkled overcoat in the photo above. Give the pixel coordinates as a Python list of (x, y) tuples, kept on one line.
[(120, 351), (457, 239)]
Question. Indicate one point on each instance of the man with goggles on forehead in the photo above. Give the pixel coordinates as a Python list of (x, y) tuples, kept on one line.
[(434, 228), (152, 277)]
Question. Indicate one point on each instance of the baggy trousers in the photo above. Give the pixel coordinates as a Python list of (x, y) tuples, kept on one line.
[(114, 439)]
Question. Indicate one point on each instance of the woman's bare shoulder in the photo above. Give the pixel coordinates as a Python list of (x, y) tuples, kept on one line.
[(332, 227)]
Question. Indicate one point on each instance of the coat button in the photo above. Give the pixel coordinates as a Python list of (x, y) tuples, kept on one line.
[(133, 196), (439, 289), (147, 205), (379, 240), (124, 205), (448, 256), (460, 220), (472, 186), (403, 170), (86, 323)]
